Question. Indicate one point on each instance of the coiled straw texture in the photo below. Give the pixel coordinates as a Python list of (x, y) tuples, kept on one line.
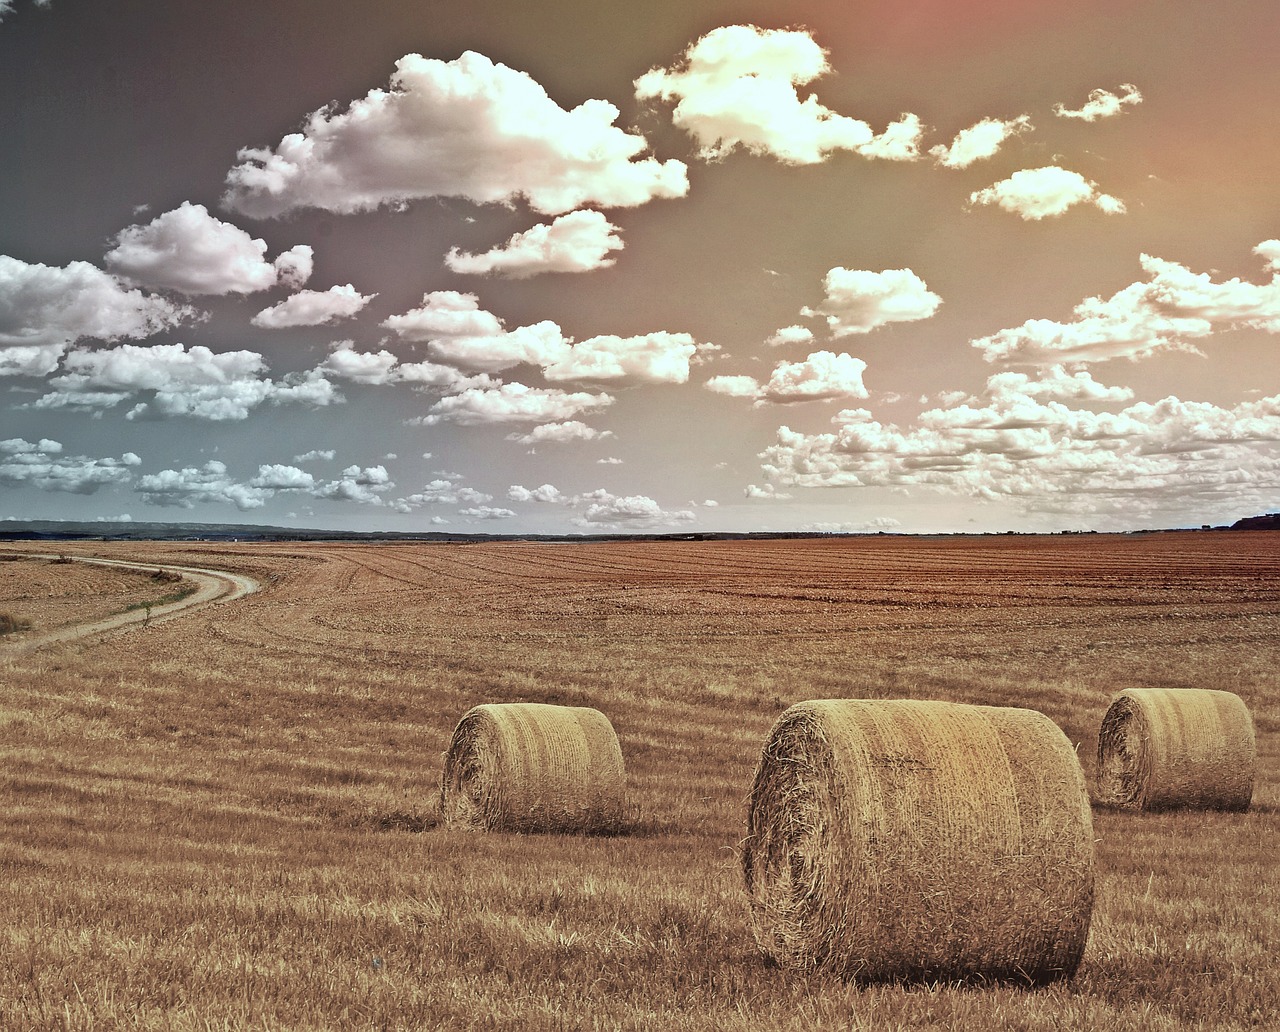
[(920, 841), (533, 767), (1165, 748)]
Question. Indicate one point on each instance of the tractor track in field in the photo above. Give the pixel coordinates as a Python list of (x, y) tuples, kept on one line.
[(212, 587)]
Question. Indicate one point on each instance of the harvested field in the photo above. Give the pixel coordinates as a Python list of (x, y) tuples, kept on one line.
[(52, 594), (230, 818)]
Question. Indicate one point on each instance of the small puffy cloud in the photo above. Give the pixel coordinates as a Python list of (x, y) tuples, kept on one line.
[(737, 87), (790, 335), (467, 128), (278, 477), (314, 308), (1102, 104), (735, 386), (859, 301), (1270, 252), (823, 376), (487, 512), (577, 242), (316, 455), (184, 488), (764, 492), (1169, 311), (880, 524), (513, 403), (1041, 443), (44, 308), (442, 314), (604, 509), (6, 6), (212, 483), (195, 382), (658, 357), (378, 368), (611, 460), (364, 486), (560, 433), (444, 490), (540, 344), (1039, 193), (979, 141), (190, 251), (43, 465), (31, 359), (547, 494), (465, 336)]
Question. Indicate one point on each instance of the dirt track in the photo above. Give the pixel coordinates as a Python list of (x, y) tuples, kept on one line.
[(211, 586)]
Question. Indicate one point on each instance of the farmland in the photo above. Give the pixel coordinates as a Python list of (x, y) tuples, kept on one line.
[(228, 820)]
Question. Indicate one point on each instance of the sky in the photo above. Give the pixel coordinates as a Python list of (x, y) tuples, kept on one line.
[(574, 267)]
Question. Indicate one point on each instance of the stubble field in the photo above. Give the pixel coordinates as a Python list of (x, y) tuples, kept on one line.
[(227, 821)]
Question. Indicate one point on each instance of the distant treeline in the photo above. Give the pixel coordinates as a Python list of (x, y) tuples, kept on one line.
[(62, 530)]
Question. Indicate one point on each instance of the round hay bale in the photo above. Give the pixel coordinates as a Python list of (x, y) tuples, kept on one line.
[(1164, 748), (527, 766), (920, 841)]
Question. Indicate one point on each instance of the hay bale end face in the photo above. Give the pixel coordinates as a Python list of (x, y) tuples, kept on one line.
[(533, 767), (920, 841), (1168, 748)]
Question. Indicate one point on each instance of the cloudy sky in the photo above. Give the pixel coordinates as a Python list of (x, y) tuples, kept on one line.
[(582, 266)]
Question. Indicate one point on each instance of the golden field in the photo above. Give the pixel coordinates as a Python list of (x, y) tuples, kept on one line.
[(228, 821)]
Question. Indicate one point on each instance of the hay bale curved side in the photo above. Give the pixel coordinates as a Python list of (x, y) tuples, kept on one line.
[(533, 767), (1165, 748), (906, 840)]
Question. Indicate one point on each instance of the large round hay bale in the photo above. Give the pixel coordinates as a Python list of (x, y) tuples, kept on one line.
[(908, 841), (1163, 748), (527, 766)]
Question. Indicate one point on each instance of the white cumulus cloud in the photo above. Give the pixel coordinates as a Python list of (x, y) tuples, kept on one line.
[(191, 251), (560, 433), (192, 382), (1171, 310), (657, 357), (513, 403), (466, 128), (790, 335), (1039, 193), (823, 376), (979, 141), (314, 308), (43, 465), (859, 301), (45, 308), (1102, 104), (737, 86), (1038, 442), (577, 242)]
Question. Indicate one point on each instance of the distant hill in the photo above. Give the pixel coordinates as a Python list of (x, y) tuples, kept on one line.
[(66, 530), (1269, 522)]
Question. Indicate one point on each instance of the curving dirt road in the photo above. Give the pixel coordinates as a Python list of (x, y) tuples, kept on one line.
[(211, 586)]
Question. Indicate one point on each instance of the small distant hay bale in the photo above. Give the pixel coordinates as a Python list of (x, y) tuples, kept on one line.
[(532, 767), (920, 841), (1167, 748)]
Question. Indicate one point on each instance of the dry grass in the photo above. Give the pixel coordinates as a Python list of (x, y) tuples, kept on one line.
[(45, 594), (224, 821), (902, 840)]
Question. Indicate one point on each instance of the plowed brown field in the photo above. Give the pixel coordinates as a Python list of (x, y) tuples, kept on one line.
[(228, 820)]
